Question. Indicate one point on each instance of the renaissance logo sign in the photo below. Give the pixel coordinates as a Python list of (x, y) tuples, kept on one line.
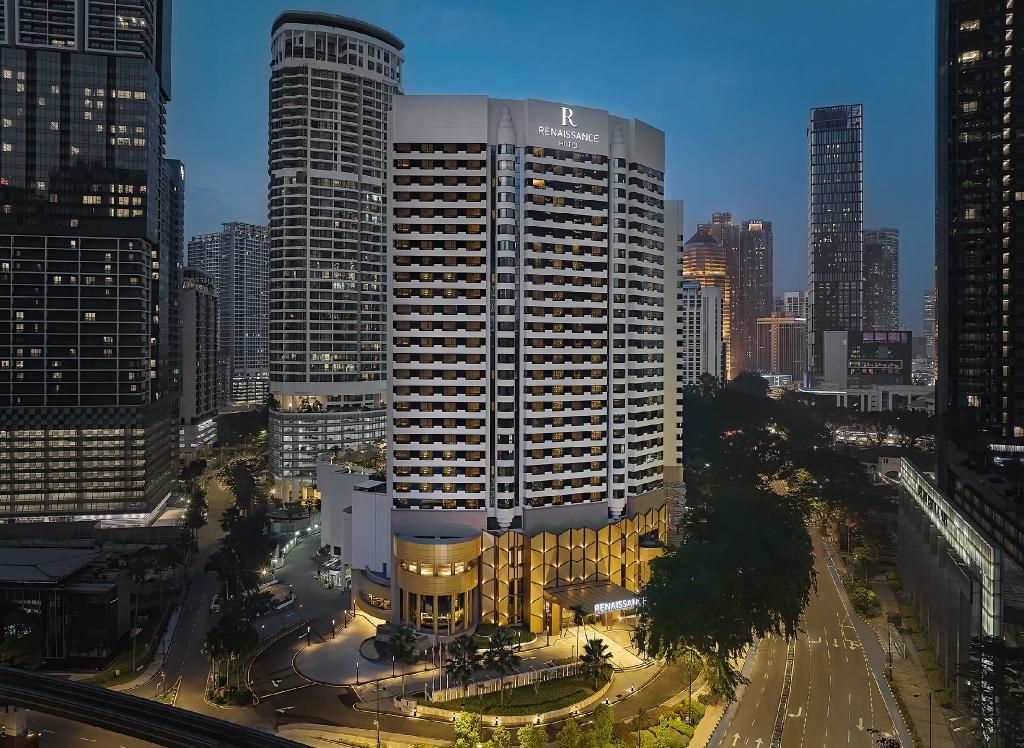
[(626, 604), (569, 138), (568, 128)]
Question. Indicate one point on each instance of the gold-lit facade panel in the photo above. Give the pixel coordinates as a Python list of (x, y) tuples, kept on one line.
[(436, 551)]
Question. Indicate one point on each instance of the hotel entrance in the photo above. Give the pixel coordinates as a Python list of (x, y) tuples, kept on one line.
[(586, 603)]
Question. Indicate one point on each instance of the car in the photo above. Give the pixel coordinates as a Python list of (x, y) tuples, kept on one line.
[(215, 604)]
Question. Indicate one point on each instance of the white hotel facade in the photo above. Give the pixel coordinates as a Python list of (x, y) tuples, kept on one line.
[(526, 368)]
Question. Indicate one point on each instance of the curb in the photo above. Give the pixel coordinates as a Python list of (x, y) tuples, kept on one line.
[(274, 638)]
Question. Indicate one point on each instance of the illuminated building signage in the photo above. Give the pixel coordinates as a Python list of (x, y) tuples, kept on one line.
[(568, 127), (625, 604)]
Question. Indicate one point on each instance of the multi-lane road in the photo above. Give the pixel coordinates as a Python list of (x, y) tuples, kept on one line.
[(819, 689)]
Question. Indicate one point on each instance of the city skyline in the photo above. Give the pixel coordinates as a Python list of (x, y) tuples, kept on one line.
[(703, 156)]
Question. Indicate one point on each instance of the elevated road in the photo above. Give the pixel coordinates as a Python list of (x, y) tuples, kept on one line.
[(128, 715)]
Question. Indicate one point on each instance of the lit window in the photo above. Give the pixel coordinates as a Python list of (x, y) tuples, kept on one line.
[(969, 106), (971, 55), (970, 25), (90, 316)]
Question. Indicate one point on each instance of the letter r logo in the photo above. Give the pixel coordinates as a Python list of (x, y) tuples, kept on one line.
[(567, 117)]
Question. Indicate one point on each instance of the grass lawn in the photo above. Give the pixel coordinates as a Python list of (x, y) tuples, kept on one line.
[(146, 644), (533, 699)]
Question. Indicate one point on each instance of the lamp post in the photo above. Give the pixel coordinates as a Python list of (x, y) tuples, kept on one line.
[(333, 634), (357, 672), (392, 666), (309, 630), (376, 722)]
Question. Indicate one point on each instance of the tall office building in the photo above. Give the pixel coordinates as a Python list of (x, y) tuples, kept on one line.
[(236, 257), (705, 261), (882, 279), (835, 225), (782, 346), (931, 328), (980, 264), (526, 361), (200, 362), (331, 85), (88, 407), (752, 292)]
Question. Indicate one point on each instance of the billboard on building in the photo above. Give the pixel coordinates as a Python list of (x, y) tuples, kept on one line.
[(879, 357)]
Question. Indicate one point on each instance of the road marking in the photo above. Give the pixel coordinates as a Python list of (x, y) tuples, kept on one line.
[(735, 738), (860, 724), (799, 712)]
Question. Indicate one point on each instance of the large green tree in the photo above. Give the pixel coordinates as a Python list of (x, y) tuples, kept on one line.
[(744, 568)]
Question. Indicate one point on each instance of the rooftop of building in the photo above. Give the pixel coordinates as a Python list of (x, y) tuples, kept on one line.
[(43, 565), (345, 23)]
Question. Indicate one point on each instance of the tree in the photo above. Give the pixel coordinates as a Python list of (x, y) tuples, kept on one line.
[(994, 678), (502, 657), (745, 567), (532, 736), (466, 730), (463, 659), (215, 647), (239, 479), (723, 679), (604, 725), (500, 738), (403, 648), (865, 561), (692, 661), (578, 619), (569, 736), (596, 658)]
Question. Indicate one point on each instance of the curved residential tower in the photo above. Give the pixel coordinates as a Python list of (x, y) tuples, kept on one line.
[(332, 81)]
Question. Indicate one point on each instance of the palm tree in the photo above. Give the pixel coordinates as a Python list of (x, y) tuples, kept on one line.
[(578, 618), (215, 647), (463, 659), (403, 648), (502, 657), (596, 657)]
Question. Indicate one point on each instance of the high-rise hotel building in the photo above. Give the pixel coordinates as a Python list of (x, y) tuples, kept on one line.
[(331, 85), (526, 366), (88, 400)]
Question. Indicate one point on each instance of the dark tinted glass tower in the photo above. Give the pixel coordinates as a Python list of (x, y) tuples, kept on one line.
[(752, 294), (980, 203), (835, 225), (331, 84), (881, 279), (88, 408)]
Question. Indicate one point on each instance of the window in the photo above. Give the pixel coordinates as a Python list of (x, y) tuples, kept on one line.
[(90, 316), (971, 55), (969, 106), (970, 25)]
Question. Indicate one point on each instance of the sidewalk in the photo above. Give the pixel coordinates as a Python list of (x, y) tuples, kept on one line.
[(910, 680), (159, 656)]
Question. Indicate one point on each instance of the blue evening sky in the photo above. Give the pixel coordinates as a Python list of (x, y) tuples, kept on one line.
[(729, 81)]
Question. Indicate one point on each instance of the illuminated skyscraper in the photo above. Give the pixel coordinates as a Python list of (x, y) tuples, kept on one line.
[(705, 260), (89, 261), (751, 292), (332, 80), (835, 225)]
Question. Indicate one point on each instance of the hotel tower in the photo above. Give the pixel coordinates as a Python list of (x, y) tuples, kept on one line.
[(526, 365)]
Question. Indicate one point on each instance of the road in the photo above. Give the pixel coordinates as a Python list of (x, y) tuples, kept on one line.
[(833, 696), (185, 659), (56, 732)]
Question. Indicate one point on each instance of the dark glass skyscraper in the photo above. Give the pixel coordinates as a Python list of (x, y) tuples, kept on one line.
[(88, 405), (752, 292), (881, 279), (835, 225), (980, 205)]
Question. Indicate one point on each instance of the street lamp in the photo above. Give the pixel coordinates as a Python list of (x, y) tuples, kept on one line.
[(357, 672), (333, 634), (392, 666), (309, 630)]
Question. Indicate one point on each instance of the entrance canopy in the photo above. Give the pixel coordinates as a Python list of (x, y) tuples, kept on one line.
[(592, 597)]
